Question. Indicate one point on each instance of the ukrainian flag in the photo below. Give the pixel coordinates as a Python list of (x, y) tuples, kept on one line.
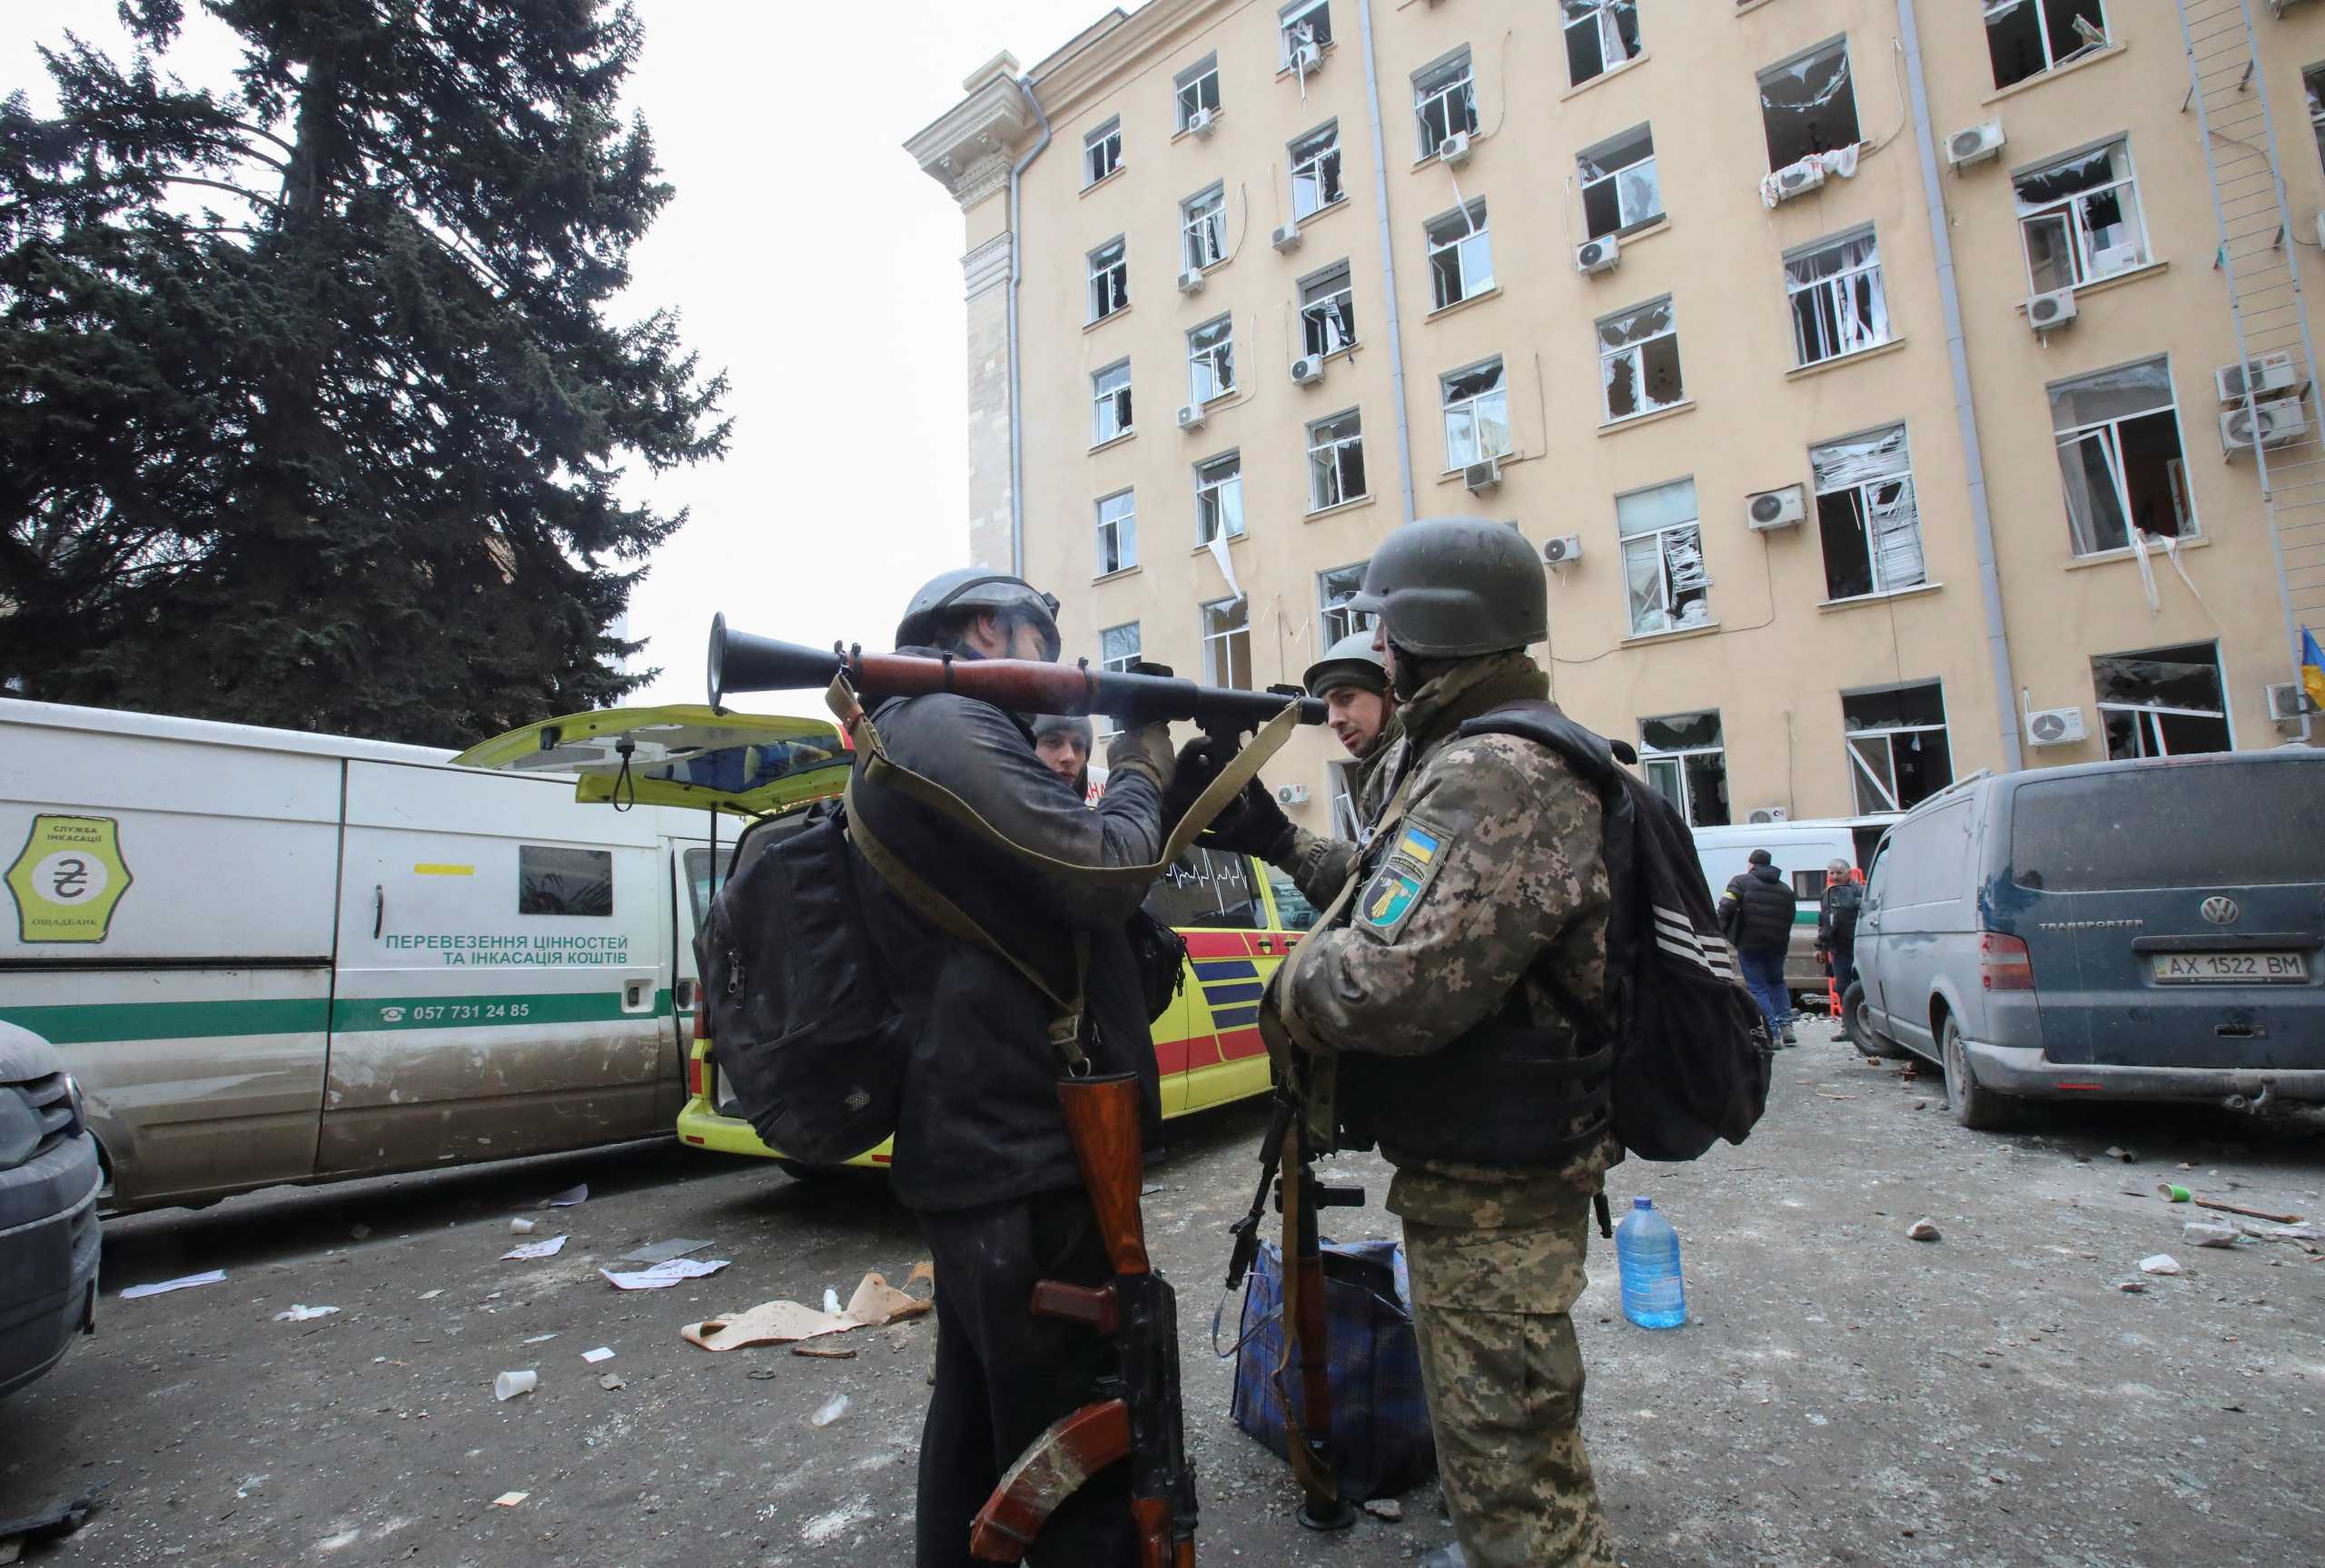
[(2312, 668)]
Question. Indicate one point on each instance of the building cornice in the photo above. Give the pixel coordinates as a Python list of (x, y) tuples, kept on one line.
[(1077, 73), (968, 148)]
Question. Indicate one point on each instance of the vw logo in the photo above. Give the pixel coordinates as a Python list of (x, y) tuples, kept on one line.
[(2220, 911)]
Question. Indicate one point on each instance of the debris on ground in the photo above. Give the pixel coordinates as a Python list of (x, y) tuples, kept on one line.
[(663, 1275), (569, 1196), (520, 1226), (540, 1338), (510, 1385), (2215, 1205), (186, 1282), (2125, 1155), (2161, 1263), (1387, 1508), (663, 1252), (532, 1250), (359, 1233), (2172, 1192), (303, 1314), (50, 1520), (602, 1352), (831, 1410), (611, 1381), (2131, 1287), (2201, 1235), (510, 1499), (431, 1295), (1922, 1230), (762, 1375), (824, 1353), (876, 1304)]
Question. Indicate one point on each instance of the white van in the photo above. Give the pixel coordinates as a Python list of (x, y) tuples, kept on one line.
[(1800, 849), (270, 957)]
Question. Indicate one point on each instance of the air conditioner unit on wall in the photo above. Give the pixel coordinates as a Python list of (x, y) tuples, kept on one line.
[(1190, 280), (1772, 509), (1203, 122), (2054, 727), (1306, 58), (2048, 312), (2276, 424), (1482, 476), (1292, 795), (1307, 371), (2287, 702), (1599, 255), (1563, 551), (1191, 417), (2264, 374), (1286, 237), (1768, 813), (1975, 145), (1799, 179), (1454, 151)]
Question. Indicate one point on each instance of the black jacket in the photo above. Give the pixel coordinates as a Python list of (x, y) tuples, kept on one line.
[(1757, 909), (979, 1120), (1836, 917)]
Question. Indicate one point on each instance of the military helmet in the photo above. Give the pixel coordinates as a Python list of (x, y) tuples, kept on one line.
[(1075, 725), (1350, 662), (965, 588), (1454, 588)]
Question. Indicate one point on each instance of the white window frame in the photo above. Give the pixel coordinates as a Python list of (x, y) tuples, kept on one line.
[(1116, 659), (2051, 62), (1219, 497), (1626, 220), (1111, 404), (1653, 760), (1800, 57), (1196, 87), (1840, 325), (2108, 433), (1322, 167), (2071, 217), (1104, 145), (1677, 578), (1334, 619), (1492, 399), (1449, 86), (1117, 533), (1328, 314), (1863, 493), (2147, 717), (1634, 351), (1346, 822), (1333, 443), (1600, 15), (1218, 659), (1474, 245), (1289, 20), (1099, 270), (1203, 229), (1211, 366), (1861, 775)]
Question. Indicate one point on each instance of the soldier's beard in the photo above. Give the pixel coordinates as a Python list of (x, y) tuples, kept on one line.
[(1407, 674)]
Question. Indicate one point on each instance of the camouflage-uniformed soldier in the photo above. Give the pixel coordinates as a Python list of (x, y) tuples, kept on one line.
[(1457, 982)]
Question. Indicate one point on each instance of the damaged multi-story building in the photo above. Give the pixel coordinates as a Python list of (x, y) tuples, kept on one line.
[(1893, 390)]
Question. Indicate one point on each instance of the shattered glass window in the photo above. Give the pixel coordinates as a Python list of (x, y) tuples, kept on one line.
[(1219, 497), (2120, 461), (1664, 574), (1460, 255), (1117, 534), (1600, 35), (1101, 152), (1334, 588), (1110, 403), (1638, 356), (1328, 311), (2163, 702), (1118, 647), (1866, 515), (1305, 22), (1809, 106), (1316, 170), (1619, 188), (1838, 304), (1227, 644), (1203, 220), (2028, 37), (1685, 759), (2081, 219), (1108, 280), (1477, 415), (1897, 748), (1445, 100), (1335, 460), (1211, 360), (1198, 89)]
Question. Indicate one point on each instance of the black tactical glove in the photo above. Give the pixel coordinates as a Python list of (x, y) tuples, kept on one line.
[(1252, 824), (1200, 762)]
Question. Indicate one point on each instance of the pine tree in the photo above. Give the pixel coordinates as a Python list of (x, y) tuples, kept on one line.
[(311, 413)]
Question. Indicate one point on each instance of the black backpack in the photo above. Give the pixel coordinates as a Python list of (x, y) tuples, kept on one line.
[(1692, 1055)]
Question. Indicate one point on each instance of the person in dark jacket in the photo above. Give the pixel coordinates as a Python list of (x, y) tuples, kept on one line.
[(1757, 910), (1836, 924), (981, 1151)]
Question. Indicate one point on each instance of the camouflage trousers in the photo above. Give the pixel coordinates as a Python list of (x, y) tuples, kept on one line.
[(1504, 1379)]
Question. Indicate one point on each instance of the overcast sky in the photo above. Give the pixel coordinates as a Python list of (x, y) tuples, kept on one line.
[(813, 261)]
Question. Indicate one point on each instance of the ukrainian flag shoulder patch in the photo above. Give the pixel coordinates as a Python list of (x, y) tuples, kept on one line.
[(1397, 888)]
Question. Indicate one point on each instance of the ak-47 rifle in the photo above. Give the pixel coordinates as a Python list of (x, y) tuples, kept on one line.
[(1286, 1164), (1136, 1418)]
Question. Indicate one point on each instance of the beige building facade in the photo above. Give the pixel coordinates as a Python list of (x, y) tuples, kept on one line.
[(1857, 468)]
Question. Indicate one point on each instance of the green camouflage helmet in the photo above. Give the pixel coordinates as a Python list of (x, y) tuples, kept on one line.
[(1455, 587), (966, 589), (1350, 662)]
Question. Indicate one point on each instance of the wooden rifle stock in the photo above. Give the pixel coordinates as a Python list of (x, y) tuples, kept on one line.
[(1101, 1117)]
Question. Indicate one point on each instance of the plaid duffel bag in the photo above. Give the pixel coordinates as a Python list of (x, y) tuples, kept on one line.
[(1380, 1438)]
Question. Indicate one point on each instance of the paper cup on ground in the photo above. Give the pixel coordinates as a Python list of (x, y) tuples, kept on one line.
[(510, 1385), (522, 1227)]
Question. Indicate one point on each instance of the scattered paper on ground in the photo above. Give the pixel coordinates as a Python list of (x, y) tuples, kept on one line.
[(542, 1338), (601, 1353), (302, 1314), (138, 1292), (874, 1303), (548, 1248), (569, 1196), (431, 1295), (663, 1252), (510, 1499), (662, 1276)]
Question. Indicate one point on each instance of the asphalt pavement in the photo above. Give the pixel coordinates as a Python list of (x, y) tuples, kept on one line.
[(1841, 1394)]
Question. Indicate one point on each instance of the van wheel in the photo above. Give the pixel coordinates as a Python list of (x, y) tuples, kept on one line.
[(1857, 1023), (1979, 1109)]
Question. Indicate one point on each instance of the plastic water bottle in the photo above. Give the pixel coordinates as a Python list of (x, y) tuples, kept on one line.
[(1646, 1253)]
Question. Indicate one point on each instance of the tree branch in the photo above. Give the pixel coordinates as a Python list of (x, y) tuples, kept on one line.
[(221, 185)]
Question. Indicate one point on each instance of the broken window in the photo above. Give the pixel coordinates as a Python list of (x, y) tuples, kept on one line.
[(1219, 497), (1898, 754), (1460, 255), (1101, 152), (1211, 360), (1197, 91), (1600, 35), (1335, 590), (2028, 37), (1316, 170), (1117, 533), (2081, 219), (1866, 515), (1304, 21), (1619, 189), (1477, 415), (2118, 435), (1328, 311), (1685, 760), (1663, 558), (1335, 460), (1118, 649), (1838, 305), (2313, 79), (1110, 403), (1203, 220), (1227, 644), (1445, 100), (1639, 359), (2164, 702), (1809, 105), (1108, 280)]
